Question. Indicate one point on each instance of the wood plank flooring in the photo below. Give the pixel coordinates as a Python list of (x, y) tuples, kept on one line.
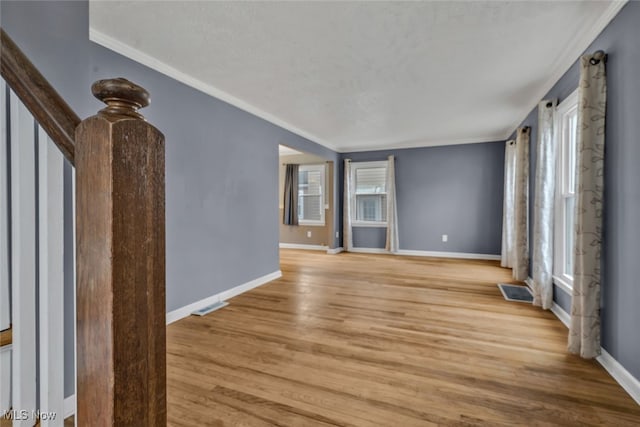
[(378, 340)]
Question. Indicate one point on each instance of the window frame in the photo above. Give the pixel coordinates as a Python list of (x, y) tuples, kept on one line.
[(365, 165), (562, 191), (322, 221)]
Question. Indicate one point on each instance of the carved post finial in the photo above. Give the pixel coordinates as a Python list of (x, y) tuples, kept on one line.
[(123, 98), (121, 267)]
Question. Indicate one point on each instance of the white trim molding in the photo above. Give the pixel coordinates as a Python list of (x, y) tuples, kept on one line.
[(438, 254), (627, 381), (418, 143), (175, 315), (561, 314), (185, 311), (573, 49), (335, 251), (70, 406), (369, 250), (563, 285), (433, 254), (623, 377), (529, 282), (137, 55), (303, 246), (166, 69)]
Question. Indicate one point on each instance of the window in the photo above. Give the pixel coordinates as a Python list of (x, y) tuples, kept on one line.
[(566, 141), (370, 192), (311, 195)]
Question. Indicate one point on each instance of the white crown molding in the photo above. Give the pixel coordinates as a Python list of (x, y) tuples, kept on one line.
[(422, 143), (438, 254), (134, 54), (302, 246), (166, 69), (572, 51), (559, 66), (185, 311)]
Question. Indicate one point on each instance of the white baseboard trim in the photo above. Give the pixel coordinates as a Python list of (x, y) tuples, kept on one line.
[(335, 251), (69, 406), (369, 250), (185, 311), (623, 377), (302, 246), (438, 254), (175, 315), (627, 381), (561, 314), (435, 254), (529, 282)]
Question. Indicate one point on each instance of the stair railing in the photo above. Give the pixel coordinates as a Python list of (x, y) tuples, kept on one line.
[(120, 243)]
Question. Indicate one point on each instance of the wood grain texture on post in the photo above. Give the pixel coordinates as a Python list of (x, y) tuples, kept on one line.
[(120, 190)]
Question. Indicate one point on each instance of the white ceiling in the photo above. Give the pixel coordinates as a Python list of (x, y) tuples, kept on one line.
[(363, 75)]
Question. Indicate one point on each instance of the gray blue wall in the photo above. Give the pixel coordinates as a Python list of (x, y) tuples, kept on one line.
[(222, 163), (621, 233), (454, 190)]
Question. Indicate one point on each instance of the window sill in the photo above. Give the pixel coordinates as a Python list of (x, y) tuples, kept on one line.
[(563, 284), (369, 224), (311, 224)]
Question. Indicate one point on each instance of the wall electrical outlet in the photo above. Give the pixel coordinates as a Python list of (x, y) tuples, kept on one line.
[(445, 238), (308, 233), (337, 234)]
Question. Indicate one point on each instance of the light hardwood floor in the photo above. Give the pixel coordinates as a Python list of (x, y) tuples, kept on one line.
[(378, 340)]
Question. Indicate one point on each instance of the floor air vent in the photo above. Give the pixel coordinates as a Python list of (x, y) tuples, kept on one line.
[(208, 309), (515, 293)]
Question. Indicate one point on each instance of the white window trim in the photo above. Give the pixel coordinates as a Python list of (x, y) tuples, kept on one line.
[(561, 279), (323, 179), (365, 165), (372, 224)]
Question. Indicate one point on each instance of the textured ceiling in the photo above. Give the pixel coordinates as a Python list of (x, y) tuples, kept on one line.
[(363, 75)]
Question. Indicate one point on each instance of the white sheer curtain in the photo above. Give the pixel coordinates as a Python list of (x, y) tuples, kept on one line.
[(515, 216), (542, 262), (347, 208), (508, 218), (521, 206), (584, 329), (392, 244)]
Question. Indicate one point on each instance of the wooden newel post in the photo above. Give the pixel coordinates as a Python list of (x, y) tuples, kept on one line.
[(121, 340)]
